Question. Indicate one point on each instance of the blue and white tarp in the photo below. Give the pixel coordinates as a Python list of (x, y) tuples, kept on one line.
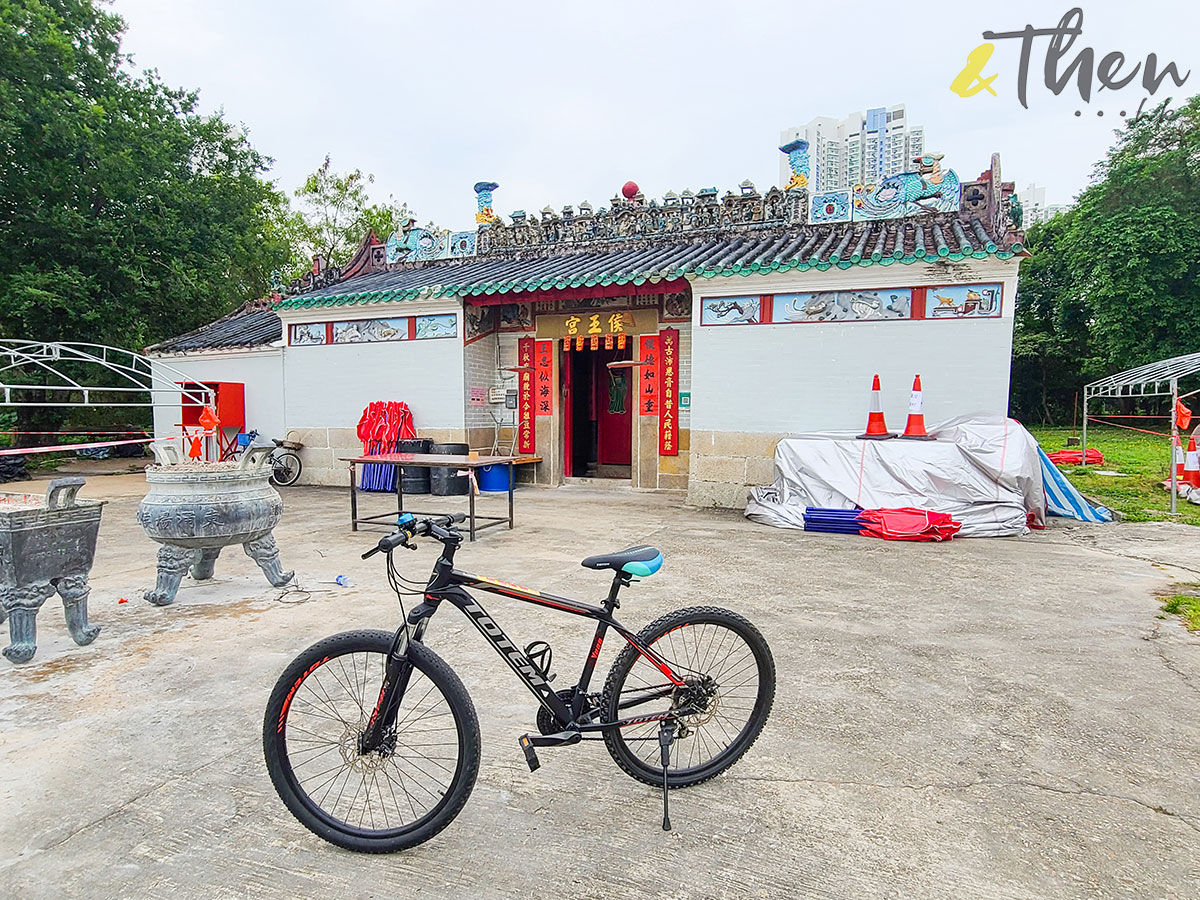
[(1063, 500)]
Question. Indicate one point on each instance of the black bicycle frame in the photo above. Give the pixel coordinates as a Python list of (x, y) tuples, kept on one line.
[(447, 583)]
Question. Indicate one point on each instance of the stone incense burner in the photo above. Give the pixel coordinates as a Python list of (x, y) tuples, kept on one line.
[(197, 509), (46, 545)]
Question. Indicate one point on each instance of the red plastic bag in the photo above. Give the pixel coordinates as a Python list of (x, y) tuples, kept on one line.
[(1075, 457), (908, 524)]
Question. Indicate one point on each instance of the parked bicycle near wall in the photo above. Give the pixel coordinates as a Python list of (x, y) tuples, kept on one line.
[(285, 462), (372, 741)]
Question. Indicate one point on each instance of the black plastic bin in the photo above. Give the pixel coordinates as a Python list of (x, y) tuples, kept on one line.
[(414, 479), (447, 482)]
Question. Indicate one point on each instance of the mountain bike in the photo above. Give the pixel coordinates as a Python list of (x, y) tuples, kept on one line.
[(372, 741)]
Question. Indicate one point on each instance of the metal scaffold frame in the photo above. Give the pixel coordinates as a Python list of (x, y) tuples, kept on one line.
[(1156, 379)]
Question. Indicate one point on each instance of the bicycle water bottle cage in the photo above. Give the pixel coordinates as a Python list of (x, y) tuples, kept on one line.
[(641, 561), (540, 656)]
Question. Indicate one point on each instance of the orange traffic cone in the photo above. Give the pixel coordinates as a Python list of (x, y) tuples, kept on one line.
[(914, 430), (876, 427), (1179, 460), (1191, 467)]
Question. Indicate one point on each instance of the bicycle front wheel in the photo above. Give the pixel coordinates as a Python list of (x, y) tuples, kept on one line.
[(285, 468), (730, 677), (389, 799)]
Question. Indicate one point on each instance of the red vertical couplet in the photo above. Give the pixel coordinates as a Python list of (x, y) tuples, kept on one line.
[(543, 375), (647, 375), (668, 392), (525, 437)]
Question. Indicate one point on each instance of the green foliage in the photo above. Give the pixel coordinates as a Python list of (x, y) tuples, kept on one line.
[(125, 215), (1186, 606), (1134, 247), (336, 214), (1115, 283)]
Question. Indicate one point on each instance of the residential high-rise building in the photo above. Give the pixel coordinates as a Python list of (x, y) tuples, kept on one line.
[(863, 148), (1034, 205)]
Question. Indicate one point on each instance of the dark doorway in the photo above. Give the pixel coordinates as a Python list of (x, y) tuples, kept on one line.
[(599, 427)]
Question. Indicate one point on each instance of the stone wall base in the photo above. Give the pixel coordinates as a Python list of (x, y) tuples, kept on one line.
[(725, 464)]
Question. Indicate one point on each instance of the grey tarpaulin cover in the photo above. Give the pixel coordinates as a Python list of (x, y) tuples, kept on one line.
[(982, 470)]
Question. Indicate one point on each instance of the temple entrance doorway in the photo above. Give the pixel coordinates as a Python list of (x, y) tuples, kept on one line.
[(598, 405)]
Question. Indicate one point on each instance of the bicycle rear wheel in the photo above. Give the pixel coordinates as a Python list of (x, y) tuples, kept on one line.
[(390, 799), (730, 677), (285, 468)]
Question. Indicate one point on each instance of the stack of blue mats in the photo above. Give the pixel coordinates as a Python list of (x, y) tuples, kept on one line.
[(833, 521)]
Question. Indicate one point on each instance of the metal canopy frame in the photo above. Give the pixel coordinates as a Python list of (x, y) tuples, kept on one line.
[(1156, 379), (123, 378), (132, 373)]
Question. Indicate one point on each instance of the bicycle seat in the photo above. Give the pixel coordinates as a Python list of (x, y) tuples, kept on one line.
[(641, 560)]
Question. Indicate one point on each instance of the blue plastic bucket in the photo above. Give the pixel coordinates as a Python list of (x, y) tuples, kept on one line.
[(493, 478)]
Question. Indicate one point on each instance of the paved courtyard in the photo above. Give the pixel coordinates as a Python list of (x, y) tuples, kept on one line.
[(987, 718)]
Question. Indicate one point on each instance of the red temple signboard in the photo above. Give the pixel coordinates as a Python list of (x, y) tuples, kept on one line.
[(525, 436), (543, 378), (668, 404), (647, 376)]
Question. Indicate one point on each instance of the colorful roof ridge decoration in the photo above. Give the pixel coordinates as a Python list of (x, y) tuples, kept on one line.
[(926, 215), (951, 237)]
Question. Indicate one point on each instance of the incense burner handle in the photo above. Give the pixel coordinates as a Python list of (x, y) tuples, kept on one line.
[(61, 492)]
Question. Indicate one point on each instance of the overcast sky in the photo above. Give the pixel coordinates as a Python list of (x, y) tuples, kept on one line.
[(561, 102)]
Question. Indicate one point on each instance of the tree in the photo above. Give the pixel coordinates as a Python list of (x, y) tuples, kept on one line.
[(336, 213), (125, 215), (1050, 339), (1133, 246)]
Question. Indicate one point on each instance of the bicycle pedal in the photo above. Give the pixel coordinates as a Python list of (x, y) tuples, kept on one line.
[(531, 756)]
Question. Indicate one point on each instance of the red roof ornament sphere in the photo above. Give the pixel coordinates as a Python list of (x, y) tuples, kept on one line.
[(629, 190)]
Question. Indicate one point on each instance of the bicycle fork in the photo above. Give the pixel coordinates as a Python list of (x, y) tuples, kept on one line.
[(396, 675)]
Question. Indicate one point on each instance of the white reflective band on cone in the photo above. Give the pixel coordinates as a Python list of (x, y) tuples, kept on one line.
[(1193, 460), (914, 402)]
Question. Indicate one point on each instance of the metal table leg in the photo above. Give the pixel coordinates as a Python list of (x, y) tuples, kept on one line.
[(510, 496), (353, 500), (471, 494), (399, 489)]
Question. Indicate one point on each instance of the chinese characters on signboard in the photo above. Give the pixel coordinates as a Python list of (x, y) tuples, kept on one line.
[(668, 437), (525, 438), (647, 375), (543, 374)]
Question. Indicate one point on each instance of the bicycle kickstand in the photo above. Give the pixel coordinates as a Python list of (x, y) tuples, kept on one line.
[(666, 736)]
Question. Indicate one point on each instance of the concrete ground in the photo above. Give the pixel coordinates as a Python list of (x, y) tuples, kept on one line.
[(987, 718)]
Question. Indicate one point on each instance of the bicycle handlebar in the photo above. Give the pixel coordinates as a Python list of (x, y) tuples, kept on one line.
[(435, 526)]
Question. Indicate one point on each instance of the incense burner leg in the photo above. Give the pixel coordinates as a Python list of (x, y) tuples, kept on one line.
[(21, 605), (74, 590), (207, 560), (265, 552), (173, 563)]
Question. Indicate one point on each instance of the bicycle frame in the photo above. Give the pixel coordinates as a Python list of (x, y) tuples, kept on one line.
[(447, 585)]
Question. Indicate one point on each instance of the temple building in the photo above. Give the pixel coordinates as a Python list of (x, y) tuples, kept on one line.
[(668, 344)]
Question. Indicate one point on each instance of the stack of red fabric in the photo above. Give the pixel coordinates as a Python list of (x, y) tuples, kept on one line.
[(908, 524), (382, 424), (1075, 457)]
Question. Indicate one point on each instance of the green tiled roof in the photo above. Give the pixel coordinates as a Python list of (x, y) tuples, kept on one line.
[(949, 237)]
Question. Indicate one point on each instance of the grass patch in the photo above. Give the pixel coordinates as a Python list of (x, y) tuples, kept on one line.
[(1144, 458), (1185, 605)]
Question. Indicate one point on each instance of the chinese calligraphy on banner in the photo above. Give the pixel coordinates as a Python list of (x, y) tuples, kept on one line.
[(525, 437), (668, 437), (543, 375), (647, 376)]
